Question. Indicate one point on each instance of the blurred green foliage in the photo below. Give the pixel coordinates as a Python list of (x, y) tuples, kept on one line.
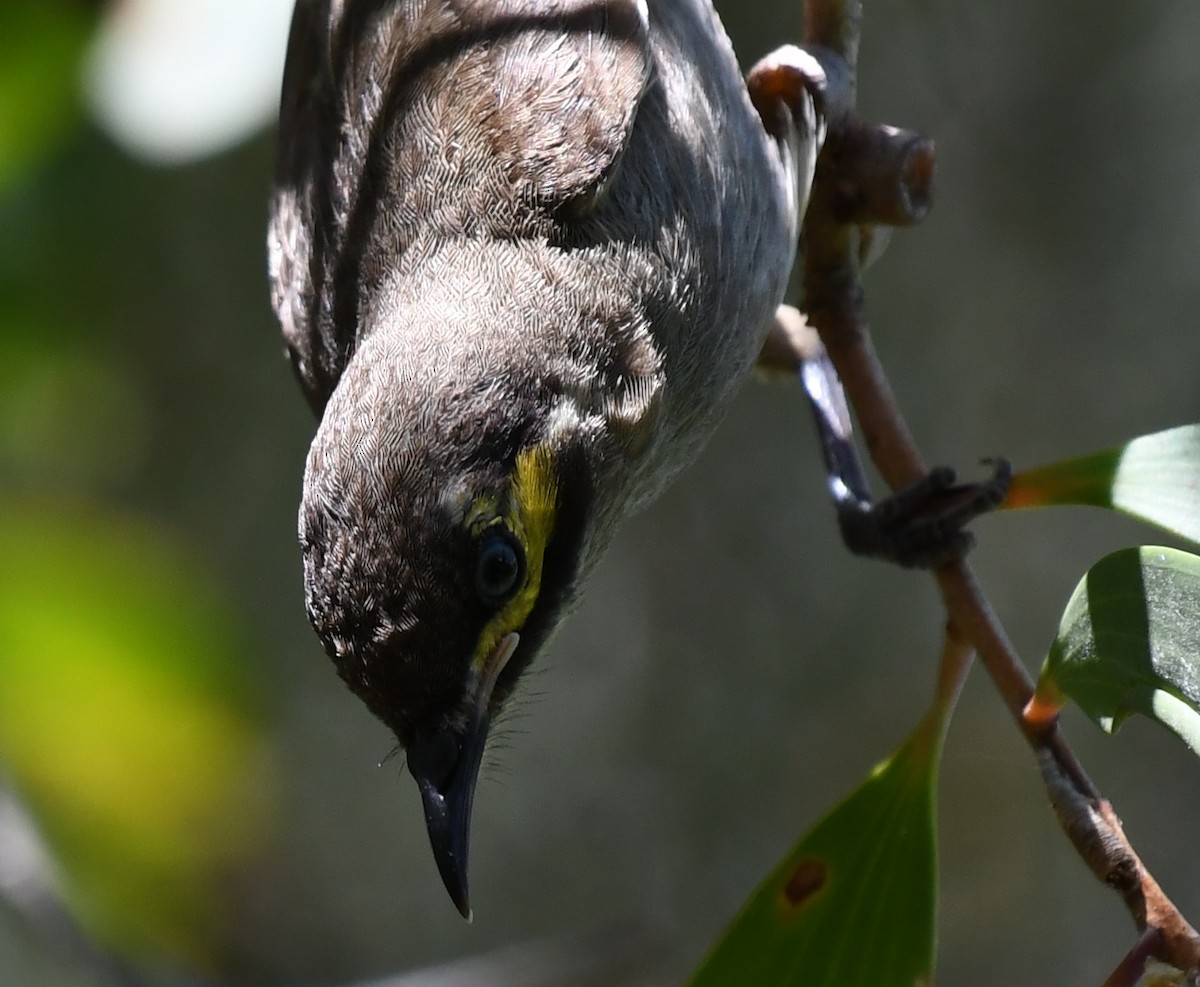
[(69, 417), (41, 47), (126, 721), (131, 721)]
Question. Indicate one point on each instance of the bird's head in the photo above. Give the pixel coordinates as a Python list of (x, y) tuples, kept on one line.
[(445, 521)]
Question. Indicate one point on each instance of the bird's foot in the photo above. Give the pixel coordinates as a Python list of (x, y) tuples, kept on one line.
[(922, 526), (788, 89), (788, 86)]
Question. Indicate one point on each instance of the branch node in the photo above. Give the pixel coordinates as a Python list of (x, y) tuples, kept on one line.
[(885, 175)]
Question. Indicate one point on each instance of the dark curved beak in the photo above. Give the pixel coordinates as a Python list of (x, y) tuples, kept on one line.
[(446, 768)]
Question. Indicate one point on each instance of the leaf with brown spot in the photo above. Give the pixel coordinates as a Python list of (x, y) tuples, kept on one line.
[(855, 901), (808, 877)]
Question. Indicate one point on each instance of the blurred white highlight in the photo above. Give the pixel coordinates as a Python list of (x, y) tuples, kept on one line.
[(177, 80)]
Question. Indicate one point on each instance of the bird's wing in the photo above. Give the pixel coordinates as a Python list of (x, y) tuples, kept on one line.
[(306, 126), (403, 124)]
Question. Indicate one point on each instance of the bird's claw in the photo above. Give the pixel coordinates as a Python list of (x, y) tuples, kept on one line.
[(922, 526)]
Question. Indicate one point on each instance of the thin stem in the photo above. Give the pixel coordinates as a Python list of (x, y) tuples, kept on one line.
[(1129, 971), (955, 666)]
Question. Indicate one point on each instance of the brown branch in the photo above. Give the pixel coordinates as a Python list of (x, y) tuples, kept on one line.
[(953, 668), (864, 175), (1129, 971), (884, 175)]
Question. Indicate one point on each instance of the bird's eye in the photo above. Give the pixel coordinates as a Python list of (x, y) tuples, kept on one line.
[(499, 567)]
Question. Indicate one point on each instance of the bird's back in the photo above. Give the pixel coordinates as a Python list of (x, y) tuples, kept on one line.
[(614, 144)]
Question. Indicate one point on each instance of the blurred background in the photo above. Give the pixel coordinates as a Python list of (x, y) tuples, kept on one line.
[(210, 795)]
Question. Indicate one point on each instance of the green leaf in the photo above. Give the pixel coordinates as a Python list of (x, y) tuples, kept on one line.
[(1129, 642), (127, 723), (1155, 478), (855, 901), (41, 46)]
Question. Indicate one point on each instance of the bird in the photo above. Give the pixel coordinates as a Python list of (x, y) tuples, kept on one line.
[(523, 254)]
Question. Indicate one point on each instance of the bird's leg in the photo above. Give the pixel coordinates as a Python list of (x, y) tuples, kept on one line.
[(799, 97), (920, 526)]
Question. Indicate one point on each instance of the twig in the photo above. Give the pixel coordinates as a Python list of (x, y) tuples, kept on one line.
[(847, 193), (953, 668), (29, 889)]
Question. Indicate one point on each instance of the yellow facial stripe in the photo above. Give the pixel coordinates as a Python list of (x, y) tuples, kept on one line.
[(530, 515)]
